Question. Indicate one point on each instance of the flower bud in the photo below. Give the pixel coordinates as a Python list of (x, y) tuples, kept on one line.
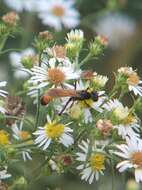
[(75, 111), (104, 126), (29, 61), (11, 18), (98, 45)]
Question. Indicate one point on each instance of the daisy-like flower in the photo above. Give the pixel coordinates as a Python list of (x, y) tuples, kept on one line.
[(132, 79), (16, 58), (86, 105), (20, 134), (20, 5), (116, 27), (131, 152), (93, 162), (53, 131), (53, 74), (56, 13), (4, 174), (3, 93), (122, 119)]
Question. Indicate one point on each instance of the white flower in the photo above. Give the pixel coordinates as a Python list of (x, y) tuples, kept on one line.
[(133, 80), (53, 131), (53, 74), (4, 174), (131, 152), (86, 105), (100, 81), (56, 13), (75, 36), (3, 93), (92, 162), (20, 5), (122, 119), (116, 27), (20, 134), (15, 57)]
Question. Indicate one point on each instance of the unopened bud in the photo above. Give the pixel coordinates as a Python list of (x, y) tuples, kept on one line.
[(11, 18), (29, 61), (45, 35)]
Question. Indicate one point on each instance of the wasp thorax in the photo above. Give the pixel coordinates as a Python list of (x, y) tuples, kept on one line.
[(56, 76), (94, 96)]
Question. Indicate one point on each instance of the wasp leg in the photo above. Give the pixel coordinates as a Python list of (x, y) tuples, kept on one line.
[(69, 100)]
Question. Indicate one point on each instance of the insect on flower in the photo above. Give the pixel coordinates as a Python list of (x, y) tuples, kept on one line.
[(75, 95)]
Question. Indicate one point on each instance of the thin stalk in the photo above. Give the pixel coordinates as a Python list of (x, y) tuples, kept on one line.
[(38, 99), (113, 175), (2, 42), (87, 58)]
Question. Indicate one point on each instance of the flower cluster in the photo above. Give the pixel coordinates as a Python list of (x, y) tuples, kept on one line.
[(77, 124), (52, 13)]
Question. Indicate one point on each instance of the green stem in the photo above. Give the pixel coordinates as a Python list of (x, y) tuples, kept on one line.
[(2, 42), (87, 58), (113, 176), (9, 50), (38, 99)]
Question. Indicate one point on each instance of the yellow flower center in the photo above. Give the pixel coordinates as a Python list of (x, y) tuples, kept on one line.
[(54, 130), (137, 158), (133, 79), (97, 161), (121, 112), (24, 135), (4, 137), (56, 76), (58, 11), (86, 103), (130, 119)]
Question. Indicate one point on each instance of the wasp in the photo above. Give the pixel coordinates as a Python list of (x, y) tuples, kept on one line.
[(75, 95)]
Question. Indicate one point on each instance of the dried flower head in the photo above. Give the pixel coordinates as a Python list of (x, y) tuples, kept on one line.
[(11, 18), (104, 126), (58, 51), (46, 35), (88, 75), (3, 186), (14, 107)]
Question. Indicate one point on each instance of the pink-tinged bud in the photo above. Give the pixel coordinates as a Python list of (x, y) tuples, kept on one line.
[(11, 18), (104, 126)]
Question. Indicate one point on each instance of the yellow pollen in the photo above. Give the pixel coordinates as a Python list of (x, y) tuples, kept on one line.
[(54, 130), (58, 11), (86, 103), (137, 159), (24, 135), (133, 79), (130, 119), (4, 137), (56, 76), (97, 161)]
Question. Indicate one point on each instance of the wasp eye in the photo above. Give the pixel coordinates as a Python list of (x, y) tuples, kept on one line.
[(94, 96), (45, 99)]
